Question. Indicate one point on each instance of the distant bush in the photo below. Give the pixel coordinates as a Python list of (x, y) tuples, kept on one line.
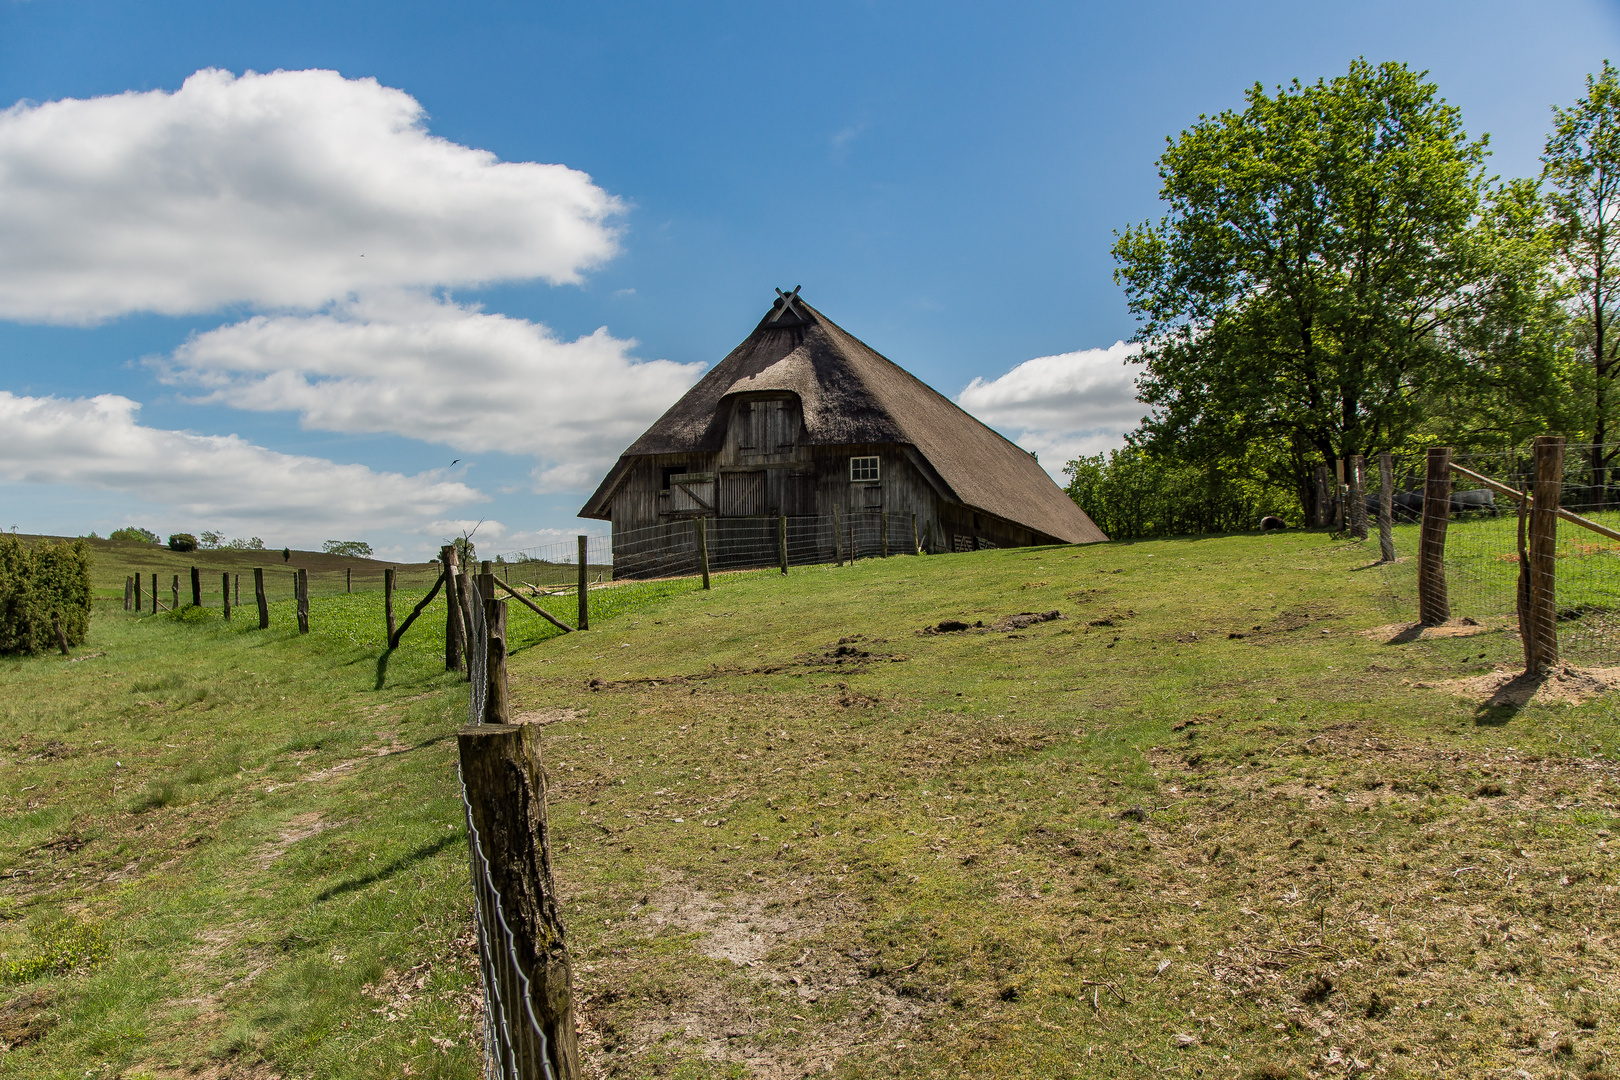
[(286, 554), (182, 542), (134, 534), (252, 543), (38, 585), (354, 549)]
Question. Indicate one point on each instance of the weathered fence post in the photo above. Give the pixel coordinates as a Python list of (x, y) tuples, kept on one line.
[(264, 601), (225, 591), (852, 541), (174, 589), (388, 600), (129, 595), (781, 541), (1386, 507), (497, 698), (838, 539), (303, 601), (348, 579), (1543, 553), (511, 866), (154, 595), (702, 528), (454, 628), (883, 527), (1358, 496), (1433, 607), (138, 592), (196, 587), (584, 621), (237, 581), (916, 541)]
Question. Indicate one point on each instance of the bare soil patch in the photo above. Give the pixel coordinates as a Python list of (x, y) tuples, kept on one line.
[(1401, 633), (1566, 686)]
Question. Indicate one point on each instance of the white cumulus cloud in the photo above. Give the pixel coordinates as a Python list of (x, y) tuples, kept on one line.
[(218, 480), (283, 190), (1062, 406), (431, 369)]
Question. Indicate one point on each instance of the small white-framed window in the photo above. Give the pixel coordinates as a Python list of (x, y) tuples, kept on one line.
[(863, 470)]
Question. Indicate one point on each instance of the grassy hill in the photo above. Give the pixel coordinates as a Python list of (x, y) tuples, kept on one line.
[(1203, 824)]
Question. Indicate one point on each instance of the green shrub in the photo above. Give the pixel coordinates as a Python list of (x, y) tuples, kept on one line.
[(134, 534), (182, 542), (353, 549), (38, 585)]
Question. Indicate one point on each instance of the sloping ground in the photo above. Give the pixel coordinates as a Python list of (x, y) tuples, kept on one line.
[(1202, 824)]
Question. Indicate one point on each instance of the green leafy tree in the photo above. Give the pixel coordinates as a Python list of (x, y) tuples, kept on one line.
[(1295, 294), (1582, 169), (353, 549), (134, 534)]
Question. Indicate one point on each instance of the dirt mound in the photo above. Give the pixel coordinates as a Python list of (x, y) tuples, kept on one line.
[(1565, 686), (1401, 633)]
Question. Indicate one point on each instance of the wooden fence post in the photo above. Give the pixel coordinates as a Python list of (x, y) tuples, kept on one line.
[(852, 541), (454, 628), (138, 593), (237, 582), (154, 595), (388, 600), (916, 541), (1386, 507), (1433, 607), (348, 579), (303, 601), (584, 620), (702, 529), (497, 697), (128, 593), (196, 587), (174, 590), (264, 601), (1543, 553), (1358, 496), (506, 811), (225, 591), (883, 527), (838, 539), (781, 541)]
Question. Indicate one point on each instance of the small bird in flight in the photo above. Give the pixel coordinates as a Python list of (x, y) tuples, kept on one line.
[(453, 462)]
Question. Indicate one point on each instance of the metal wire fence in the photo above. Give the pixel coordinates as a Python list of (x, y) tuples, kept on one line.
[(1482, 548), (514, 1040)]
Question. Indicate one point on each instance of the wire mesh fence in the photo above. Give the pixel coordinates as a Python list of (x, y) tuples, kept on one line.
[(1483, 540)]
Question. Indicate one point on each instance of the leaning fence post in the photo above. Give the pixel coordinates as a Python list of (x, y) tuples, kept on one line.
[(781, 541), (264, 601), (584, 621), (1358, 496), (388, 601), (1433, 608), (1386, 507), (703, 548), (225, 591), (497, 698), (1543, 552), (303, 601), (519, 922)]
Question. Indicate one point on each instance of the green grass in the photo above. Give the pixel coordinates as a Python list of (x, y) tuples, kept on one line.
[(1201, 825)]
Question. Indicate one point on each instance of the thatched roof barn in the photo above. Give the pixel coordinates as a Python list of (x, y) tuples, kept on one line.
[(803, 417)]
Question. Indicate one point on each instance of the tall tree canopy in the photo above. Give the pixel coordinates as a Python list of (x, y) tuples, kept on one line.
[(1582, 170), (1298, 290)]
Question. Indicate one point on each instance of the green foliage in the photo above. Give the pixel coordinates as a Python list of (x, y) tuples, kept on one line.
[(1582, 170), (209, 540), (182, 542), (1131, 495), (354, 549), (57, 948), (286, 554), (252, 543), (1316, 246), (134, 534), (38, 585)]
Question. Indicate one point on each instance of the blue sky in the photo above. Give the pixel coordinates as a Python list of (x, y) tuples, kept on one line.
[(943, 180)]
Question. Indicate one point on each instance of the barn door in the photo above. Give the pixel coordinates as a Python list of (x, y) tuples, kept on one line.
[(742, 494)]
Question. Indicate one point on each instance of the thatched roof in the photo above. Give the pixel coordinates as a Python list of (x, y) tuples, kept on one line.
[(851, 395)]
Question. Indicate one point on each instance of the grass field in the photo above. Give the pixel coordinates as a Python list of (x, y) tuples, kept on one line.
[(1202, 825)]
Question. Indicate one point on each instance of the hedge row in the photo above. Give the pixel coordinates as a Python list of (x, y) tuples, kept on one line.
[(38, 585)]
